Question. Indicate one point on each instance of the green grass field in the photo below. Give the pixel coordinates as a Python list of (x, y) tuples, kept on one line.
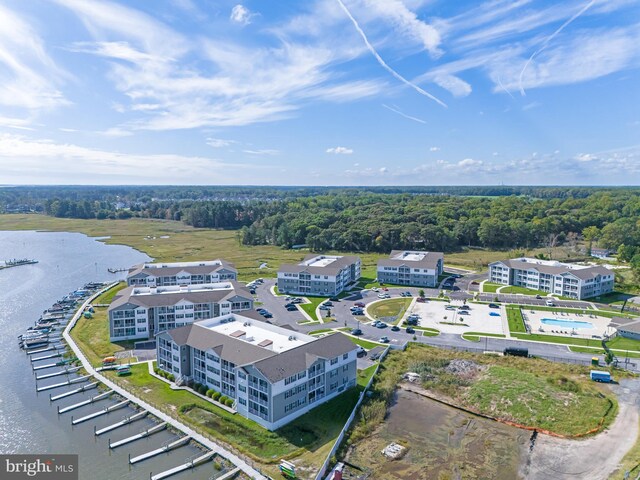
[(366, 344), (475, 336), (514, 318), (310, 308), (394, 307), (488, 287)]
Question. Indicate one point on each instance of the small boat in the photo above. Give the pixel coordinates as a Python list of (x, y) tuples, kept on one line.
[(123, 370), (34, 343)]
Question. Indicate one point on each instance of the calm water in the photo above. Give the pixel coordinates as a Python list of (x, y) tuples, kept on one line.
[(28, 421)]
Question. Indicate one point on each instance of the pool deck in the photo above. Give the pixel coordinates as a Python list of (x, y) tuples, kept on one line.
[(599, 325)]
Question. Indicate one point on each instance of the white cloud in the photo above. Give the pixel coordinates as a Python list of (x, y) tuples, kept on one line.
[(340, 150), (265, 151), (115, 132), (455, 85), (28, 76), (219, 142), (384, 170), (402, 114), (586, 157), (241, 14), (434, 149), (469, 163), (28, 160)]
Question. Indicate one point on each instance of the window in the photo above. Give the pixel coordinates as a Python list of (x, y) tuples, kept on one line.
[(345, 368), (290, 379), (302, 375), (242, 376), (334, 361), (242, 401), (242, 388), (345, 356)]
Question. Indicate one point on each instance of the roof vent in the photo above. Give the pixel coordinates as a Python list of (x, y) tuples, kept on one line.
[(291, 338)]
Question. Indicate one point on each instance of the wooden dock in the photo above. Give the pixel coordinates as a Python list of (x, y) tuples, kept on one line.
[(99, 413), (66, 371), (122, 423), (165, 448), (185, 466), (46, 357), (146, 433)]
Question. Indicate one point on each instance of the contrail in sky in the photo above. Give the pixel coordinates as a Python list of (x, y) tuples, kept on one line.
[(383, 63), (394, 110), (549, 38)]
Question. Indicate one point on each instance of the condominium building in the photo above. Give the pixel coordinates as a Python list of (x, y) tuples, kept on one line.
[(322, 275), (413, 268), (273, 374), (181, 273), (143, 312), (568, 280)]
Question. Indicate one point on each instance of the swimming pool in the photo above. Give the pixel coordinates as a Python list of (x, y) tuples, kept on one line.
[(566, 323)]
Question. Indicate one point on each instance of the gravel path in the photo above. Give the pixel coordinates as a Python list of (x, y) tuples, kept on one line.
[(594, 458)]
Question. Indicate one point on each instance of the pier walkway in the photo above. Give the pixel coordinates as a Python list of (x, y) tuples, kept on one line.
[(215, 448)]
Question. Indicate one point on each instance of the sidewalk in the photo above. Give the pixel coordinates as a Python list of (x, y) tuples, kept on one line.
[(154, 411)]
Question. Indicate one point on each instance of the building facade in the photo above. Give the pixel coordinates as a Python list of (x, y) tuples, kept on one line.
[(181, 273), (567, 280), (321, 275), (138, 313), (273, 374), (411, 268)]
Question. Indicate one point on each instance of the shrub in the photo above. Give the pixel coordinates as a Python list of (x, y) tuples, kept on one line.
[(223, 400), (210, 393), (216, 396), (186, 407), (202, 389), (229, 402), (156, 370), (171, 377), (217, 466)]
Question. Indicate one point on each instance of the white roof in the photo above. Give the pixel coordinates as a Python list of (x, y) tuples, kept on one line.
[(206, 263), (170, 289), (256, 332), (550, 263)]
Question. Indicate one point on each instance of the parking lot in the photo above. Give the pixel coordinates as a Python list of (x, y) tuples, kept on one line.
[(480, 318)]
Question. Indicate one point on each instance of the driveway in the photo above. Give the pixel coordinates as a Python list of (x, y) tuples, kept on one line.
[(275, 305)]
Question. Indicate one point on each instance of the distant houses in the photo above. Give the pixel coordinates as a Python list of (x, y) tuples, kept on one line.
[(272, 374), (181, 273), (601, 252), (411, 268), (140, 312), (568, 280), (321, 275)]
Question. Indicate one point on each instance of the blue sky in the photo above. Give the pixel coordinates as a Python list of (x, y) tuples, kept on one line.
[(320, 92)]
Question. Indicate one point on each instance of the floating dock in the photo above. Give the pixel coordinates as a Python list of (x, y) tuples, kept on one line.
[(89, 401), (64, 384), (146, 433), (104, 411), (158, 451), (73, 392), (185, 466), (66, 371), (46, 357), (47, 349), (122, 423)]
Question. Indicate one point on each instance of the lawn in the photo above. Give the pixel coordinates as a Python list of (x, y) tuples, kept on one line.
[(366, 374), (523, 290), (366, 344), (92, 336), (310, 308), (534, 392), (622, 343), (535, 337), (307, 439), (514, 317), (488, 287), (392, 308), (475, 336), (107, 297), (621, 354), (321, 331)]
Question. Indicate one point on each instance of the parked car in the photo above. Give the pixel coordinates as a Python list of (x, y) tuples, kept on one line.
[(412, 321), (538, 297), (384, 340), (375, 289), (267, 315), (421, 300), (456, 275), (550, 303), (261, 310), (463, 312), (449, 307), (252, 291), (494, 305), (385, 289), (292, 308), (395, 328), (386, 295), (464, 307), (323, 307), (334, 299), (328, 303), (381, 325), (357, 312), (402, 294), (408, 294), (361, 352), (356, 331), (382, 295), (359, 304), (410, 330)]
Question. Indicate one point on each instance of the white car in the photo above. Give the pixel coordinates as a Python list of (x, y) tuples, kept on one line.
[(550, 303), (382, 295), (375, 289)]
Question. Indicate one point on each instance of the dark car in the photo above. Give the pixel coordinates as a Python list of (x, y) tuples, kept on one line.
[(357, 312), (260, 310), (252, 291), (381, 325), (267, 315), (292, 308), (356, 331), (290, 304), (494, 305), (395, 328), (334, 299), (410, 330), (463, 312), (464, 307), (328, 303), (538, 297), (359, 304), (408, 294)]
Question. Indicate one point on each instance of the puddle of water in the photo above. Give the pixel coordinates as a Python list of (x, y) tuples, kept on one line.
[(443, 443)]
